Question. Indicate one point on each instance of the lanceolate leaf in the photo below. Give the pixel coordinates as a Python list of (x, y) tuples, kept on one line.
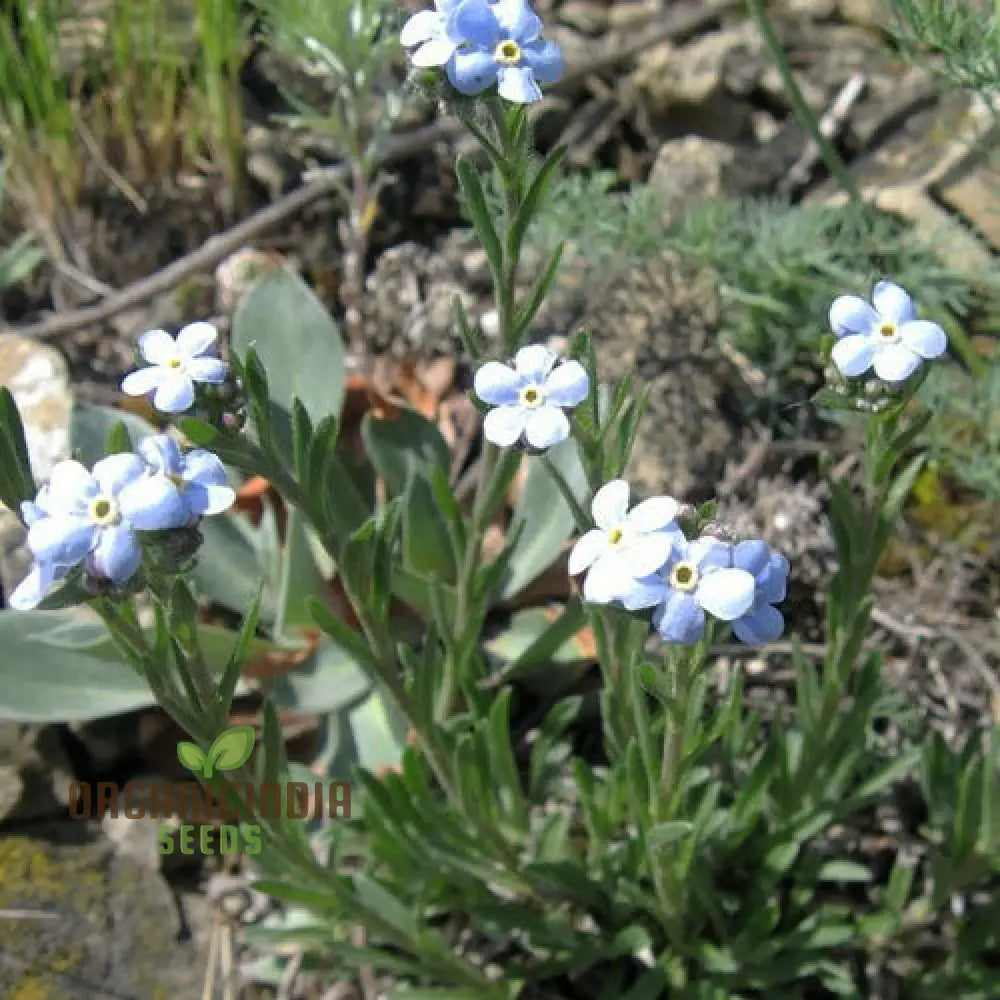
[(545, 516), (299, 347)]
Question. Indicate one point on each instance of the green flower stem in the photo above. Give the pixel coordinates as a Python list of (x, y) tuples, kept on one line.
[(874, 514), (838, 169), (685, 666), (126, 634)]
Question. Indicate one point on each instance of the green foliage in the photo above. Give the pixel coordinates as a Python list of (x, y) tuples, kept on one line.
[(964, 432), (297, 353), (140, 90), (19, 260), (348, 42), (779, 267), (960, 41)]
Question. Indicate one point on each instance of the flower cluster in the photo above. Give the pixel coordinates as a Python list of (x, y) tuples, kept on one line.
[(641, 558), (885, 335), (480, 44), (92, 517), (175, 366), (529, 398)]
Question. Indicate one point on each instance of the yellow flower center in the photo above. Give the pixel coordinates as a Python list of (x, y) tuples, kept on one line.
[(507, 53), (175, 363), (532, 397), (888, 331), (684, 576), (615, 535), (103, 511)]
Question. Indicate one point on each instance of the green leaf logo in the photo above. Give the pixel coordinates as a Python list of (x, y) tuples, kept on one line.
[(230, 750)]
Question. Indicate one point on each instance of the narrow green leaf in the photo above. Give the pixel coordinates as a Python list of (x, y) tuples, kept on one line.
[(479, 214), (533, 199)]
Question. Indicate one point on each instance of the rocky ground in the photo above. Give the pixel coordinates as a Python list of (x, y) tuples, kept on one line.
[(701, 114)]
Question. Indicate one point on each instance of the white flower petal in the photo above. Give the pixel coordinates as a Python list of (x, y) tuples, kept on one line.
[(708, 553), (423, 26), (210, 370), (892, 303), (752, 555), (141, 382), (504, 425), (590, 546), (645, 593), (116, 555), (534, 362), (518, 20), (497, 384), (29, 593), (763, 624), (896, 362), (204, 467), (653, 514), (607, 580), (852, 315), (853, 354), (161, 453), (434, 52), (546, 426), (567, 384), (157, 346), (726, 593), (70, 486), (206, 500), (518, 85), (645, 554), (175, 394), (196, 338), (680, 619), (115, 471), (61, 540), (153, 503), (924, 337), (610, 504)]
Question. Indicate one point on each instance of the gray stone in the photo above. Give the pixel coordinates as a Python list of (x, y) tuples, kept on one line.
[(815, 10), (34, 773), (39, 382), (689, 170), (870, 13), (90, 923)]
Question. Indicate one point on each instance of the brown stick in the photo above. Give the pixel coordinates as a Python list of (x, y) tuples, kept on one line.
[(220, 246)]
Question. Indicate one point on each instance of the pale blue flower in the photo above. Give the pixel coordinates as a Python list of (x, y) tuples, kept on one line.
[(762, 622), (91, 518), (885, 335), (198, 474), (175, 366), (626, 546), (529, 398), (698, 577), (501, 45), (432, 34)]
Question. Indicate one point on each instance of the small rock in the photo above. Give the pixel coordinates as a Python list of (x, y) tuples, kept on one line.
[(96, 924), (816, 10), (689, 170), (39, 382), (238, 273), (35, 773), (587, 17), (869, 13), (976, 196), (695, 79)]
